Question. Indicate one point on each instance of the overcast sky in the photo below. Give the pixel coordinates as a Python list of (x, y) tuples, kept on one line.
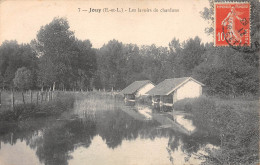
[(20, 20)]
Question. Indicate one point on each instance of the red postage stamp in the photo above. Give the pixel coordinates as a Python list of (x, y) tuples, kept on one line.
[(232, 24)]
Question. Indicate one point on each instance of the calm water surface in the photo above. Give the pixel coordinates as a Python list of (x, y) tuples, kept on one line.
[(125, 134)]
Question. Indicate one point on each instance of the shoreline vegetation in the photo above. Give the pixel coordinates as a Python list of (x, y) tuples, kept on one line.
[(106, 100), (234, 121), (62, 101)]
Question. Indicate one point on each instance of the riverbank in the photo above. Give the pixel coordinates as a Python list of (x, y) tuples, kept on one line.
[(235, 121), (62, 102)]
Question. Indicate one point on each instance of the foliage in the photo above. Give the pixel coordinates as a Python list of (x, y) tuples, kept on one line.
[(236, 124), (64, 60), (12, 57), (239, 136), (57, 59), (23, 79), (227, 72), (183, 105)]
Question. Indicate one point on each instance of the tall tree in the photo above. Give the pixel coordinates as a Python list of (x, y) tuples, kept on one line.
[(55, 46), (87, 65), (111, 61), (191, 55), (64, 60)]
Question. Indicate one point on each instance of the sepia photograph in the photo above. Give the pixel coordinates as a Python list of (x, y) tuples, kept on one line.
[(129, 82)]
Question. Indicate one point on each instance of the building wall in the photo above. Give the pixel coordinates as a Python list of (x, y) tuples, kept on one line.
[(174, 97), (190, 89), (144, 89)]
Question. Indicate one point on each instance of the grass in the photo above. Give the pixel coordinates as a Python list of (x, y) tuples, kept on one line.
[(234, 121), (6, 97), (241, 105), (92, 101), (63, 102)]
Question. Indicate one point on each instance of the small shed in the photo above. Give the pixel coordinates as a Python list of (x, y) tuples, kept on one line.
[(137, 89), (171, 90)]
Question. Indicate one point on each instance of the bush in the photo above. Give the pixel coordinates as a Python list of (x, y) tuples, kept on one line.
[(234, 122), (183, 105), (202, 104)]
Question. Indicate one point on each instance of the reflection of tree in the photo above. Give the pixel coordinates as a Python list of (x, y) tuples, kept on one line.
[(23, 131), (58, 141), (58, 138), (191, 143), (114, 126)]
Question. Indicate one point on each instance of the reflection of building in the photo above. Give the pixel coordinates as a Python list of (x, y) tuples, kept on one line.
[(137, 89), (176, 122), (185, 123), (171, 90)]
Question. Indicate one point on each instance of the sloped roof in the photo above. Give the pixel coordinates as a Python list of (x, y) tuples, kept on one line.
[(169, 85), (135, 86)]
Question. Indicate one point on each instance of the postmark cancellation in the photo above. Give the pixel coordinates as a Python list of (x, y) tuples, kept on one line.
[(232, 24)]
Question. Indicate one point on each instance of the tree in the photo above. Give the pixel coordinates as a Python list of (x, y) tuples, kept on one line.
[(226, 72), (23, 79), (156, 63), (55, 46), (86, 64), (230, 71), (111, 61), (185, 56), (64, 60), (12, 57), (191, 55)]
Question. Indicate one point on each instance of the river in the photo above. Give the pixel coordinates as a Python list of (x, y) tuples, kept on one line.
[(129, 134)]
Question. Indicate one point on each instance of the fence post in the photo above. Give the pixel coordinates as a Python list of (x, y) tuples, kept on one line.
[(12, 135), (0, 98), (37, 95), (46, 94), (12, 100), (42, 96), (31, 94), (23, 98)]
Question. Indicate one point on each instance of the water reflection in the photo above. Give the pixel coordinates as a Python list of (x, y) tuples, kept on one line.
[(135, 134)]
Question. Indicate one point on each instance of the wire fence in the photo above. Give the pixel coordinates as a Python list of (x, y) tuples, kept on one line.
[(8, 99)]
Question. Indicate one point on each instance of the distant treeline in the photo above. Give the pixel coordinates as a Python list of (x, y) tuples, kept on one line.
[(57, 59)]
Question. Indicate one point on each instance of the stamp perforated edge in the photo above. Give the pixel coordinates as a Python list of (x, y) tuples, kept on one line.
[(214, 24)]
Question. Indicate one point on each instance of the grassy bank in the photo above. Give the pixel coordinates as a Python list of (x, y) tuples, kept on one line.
[(92, 101), (236, 122), (63, 102)]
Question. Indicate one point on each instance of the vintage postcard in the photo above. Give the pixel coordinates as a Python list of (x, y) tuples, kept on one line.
[(132, 82)]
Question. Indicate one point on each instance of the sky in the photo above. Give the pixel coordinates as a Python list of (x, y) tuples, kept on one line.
[(21, 20)]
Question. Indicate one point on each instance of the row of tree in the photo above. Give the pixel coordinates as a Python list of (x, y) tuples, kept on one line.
[(57, 59), (54, 59)]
